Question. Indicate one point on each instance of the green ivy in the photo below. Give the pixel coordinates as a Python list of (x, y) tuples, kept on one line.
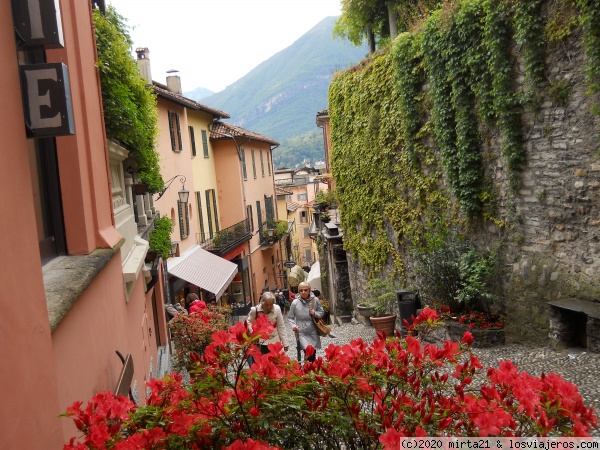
[(590, 19), (130, 112), (420, 114)]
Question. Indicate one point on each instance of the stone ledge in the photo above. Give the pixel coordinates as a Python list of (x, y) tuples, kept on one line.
[(67, 277), (589, 308)]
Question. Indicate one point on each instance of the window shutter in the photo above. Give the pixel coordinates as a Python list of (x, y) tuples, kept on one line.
[(262, 164), (253, 164), (181, 220), (171, 130), (244, 164), (193, 140), (205, 143), (269, 209), (259, 215), (208, 214), (214, 201), (199, 207), (178, 131)]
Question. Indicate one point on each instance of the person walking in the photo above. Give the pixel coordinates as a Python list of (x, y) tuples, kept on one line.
[(273, 312), (304, 307)]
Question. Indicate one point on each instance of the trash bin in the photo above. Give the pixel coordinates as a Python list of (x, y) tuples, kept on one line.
[(408, 304)]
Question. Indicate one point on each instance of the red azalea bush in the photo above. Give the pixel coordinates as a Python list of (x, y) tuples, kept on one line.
[(359, 396), (193, 332), (475, 319)]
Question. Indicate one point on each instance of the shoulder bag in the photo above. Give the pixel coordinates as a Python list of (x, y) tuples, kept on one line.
[(322, 328)]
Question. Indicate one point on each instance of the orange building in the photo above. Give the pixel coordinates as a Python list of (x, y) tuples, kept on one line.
[(246, 192)]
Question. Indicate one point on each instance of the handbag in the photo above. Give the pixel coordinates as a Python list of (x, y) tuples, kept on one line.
[(322, 328)]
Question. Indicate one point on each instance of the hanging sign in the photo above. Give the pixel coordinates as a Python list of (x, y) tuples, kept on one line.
[(46, 99), (38, 23)]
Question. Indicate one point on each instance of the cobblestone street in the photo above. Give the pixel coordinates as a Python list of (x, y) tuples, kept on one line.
[(574, 365)]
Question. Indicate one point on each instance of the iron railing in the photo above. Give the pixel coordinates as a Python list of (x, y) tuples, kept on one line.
[(227, 238)]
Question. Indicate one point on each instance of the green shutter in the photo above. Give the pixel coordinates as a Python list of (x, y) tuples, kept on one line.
[(205, 143)]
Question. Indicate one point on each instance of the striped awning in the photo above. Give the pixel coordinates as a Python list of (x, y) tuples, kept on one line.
[(203, 269)]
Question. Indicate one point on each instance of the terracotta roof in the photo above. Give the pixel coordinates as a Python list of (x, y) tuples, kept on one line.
[(292, 206), (162, 91), (222, 130), (282, 191)]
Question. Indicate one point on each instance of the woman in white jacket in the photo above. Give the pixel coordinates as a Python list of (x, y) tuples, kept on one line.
[(273, 312)]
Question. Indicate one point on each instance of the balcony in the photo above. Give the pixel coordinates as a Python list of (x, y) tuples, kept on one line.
[(227, 239), (296, 181), (273, 231)]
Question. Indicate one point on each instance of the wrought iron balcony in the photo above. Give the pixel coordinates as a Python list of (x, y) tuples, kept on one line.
[(227, 238), (272, 231)]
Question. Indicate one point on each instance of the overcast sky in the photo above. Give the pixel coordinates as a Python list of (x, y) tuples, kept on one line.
[(215, 43)]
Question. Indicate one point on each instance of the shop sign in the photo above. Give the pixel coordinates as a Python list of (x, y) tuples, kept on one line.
[(46, 99)]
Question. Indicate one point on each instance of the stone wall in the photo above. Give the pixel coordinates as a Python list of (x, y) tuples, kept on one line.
[(552, 249)]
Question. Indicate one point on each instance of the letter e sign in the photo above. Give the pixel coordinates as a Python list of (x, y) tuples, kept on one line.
[(46, 99)]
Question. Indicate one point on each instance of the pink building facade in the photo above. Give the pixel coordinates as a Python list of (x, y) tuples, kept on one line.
[(76, 289)]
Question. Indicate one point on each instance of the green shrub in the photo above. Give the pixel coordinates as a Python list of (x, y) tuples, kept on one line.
[(129, 104), (160, 237)]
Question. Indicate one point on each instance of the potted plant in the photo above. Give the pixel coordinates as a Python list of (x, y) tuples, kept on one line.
[(381, 306), (325, 217)]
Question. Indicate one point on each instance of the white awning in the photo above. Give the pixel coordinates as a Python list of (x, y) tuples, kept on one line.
[(314, 276), (203, 269)]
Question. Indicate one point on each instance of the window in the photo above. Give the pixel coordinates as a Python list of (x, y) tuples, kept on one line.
[(200, 218), (302, 197), (270, 209), (244, 173), (184, 220), (250, 218), (269, 162), (253, 164), (205, 143), (262, 164), (305, 232), (303, 218), (308, 256), (175, 131), (192, 140), (288, 198), (48, 205)]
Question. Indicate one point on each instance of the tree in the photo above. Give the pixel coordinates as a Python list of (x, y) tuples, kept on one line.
[(378, 20)]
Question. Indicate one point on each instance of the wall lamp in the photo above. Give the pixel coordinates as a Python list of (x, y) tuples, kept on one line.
[(174, 248), (184, 194), (270, 232)]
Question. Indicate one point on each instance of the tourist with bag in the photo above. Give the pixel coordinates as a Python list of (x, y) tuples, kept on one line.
[(273, 312), (300, 317)]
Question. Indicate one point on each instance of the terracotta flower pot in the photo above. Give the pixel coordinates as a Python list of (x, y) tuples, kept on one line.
[(385, 324)]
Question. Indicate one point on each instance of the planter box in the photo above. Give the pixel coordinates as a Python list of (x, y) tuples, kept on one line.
[(483, 337), (452, 330)]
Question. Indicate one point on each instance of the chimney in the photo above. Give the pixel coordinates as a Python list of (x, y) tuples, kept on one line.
[(174, 81), (143, 60)]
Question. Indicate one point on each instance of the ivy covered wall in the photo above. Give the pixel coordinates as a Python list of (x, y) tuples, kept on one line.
[(482, 120)]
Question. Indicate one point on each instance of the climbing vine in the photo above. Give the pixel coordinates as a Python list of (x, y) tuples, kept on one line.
[(411, 128)]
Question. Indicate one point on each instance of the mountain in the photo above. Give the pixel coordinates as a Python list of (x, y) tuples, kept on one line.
[(199, 93), (281, 96)]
